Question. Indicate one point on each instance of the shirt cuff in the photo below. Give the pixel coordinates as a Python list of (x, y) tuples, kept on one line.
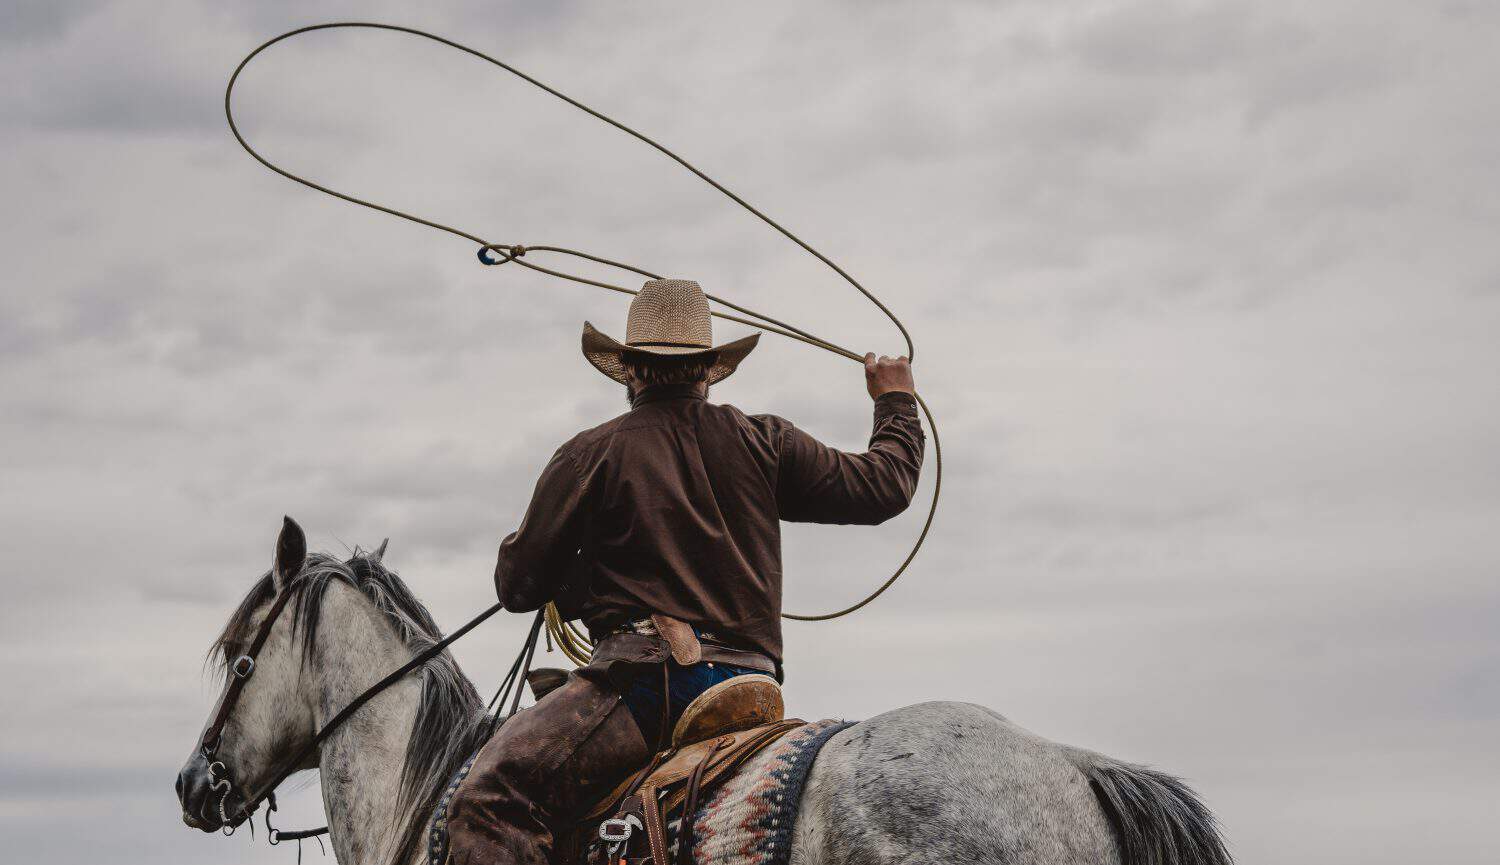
[(894, 403)]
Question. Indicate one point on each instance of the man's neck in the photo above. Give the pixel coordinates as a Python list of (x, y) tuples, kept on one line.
[(639, 396)]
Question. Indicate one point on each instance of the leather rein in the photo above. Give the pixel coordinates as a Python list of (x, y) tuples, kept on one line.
[(243, 668)]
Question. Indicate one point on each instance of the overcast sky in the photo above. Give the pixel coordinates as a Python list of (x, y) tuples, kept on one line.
[(1206, 299)]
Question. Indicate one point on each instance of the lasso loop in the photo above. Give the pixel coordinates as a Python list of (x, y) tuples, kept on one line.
[(572, 641)]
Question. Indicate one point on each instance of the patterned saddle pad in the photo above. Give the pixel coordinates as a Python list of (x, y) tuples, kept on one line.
[(748, 820)]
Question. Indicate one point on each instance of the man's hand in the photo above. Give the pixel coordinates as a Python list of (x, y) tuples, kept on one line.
[(888, 375)]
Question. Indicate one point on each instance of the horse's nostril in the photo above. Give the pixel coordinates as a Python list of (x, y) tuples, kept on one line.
[(188, 782), (193, 794)]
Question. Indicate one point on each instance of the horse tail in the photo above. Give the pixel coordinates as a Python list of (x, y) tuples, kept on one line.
[(1157, 819)]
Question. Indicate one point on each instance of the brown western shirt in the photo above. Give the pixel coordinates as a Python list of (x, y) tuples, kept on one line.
[(675, 507)]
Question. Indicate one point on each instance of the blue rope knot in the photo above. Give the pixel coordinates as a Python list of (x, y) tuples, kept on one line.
[(511, 253)]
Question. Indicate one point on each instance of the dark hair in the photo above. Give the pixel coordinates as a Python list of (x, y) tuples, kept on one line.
[(650, 369)]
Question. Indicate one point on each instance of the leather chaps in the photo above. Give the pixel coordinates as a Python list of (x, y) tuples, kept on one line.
[(541, 772)]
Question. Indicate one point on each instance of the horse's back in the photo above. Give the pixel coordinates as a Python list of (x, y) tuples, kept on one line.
[(948, 782)]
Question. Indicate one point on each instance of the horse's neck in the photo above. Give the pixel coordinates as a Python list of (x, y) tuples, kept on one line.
[(360, 764)]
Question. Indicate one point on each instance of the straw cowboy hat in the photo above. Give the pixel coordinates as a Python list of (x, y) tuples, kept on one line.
[(668, 318)]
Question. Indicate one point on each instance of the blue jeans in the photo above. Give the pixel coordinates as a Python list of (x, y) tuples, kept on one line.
[(643, 699)]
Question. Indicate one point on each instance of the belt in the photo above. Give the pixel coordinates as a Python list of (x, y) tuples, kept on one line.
[(690, 645), (647, 627)]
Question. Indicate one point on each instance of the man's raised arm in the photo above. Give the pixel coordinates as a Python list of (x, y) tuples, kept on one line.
[(820, 484)]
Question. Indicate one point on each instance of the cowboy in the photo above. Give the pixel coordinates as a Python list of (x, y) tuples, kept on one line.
[(660, 530)]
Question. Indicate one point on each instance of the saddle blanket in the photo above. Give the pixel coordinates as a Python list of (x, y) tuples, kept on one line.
[(749, 819)]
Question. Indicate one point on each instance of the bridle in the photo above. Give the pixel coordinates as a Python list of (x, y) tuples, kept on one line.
[(243, 667), (240, 671)]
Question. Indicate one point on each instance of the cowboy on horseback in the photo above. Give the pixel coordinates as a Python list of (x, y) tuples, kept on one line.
[(660, 530)]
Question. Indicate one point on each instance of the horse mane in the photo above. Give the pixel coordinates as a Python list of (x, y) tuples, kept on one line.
[(451, 719)]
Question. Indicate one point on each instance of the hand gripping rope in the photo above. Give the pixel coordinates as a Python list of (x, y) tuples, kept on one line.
[(567, 635)]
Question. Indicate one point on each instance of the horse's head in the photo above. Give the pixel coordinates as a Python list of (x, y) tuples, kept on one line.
[(264, 715)]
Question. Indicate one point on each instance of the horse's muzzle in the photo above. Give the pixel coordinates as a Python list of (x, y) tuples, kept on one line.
[(205, 801)]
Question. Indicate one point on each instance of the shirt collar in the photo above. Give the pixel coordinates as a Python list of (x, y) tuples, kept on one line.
[(655, 392)]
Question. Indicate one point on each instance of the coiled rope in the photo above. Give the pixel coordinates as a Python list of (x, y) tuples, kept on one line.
[(570, 639)]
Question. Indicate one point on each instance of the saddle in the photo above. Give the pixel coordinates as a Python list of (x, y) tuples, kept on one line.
[(719, 731)]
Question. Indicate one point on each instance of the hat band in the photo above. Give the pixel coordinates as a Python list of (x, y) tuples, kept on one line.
[(662, 344)]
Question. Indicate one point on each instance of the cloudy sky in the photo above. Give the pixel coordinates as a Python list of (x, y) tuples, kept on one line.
[(1206, 298)]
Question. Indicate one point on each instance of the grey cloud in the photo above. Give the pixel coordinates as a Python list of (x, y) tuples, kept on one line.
[(1169, 38), (1318, 68), (34, 21), (114, 70), (1091, 514)]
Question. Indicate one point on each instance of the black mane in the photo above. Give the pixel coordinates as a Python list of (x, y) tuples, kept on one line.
[(451, 720)]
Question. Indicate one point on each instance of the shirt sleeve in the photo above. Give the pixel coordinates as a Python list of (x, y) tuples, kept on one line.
[(538, 557), (820, 484)]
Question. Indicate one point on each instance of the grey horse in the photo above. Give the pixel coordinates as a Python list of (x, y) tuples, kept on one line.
[(935, 782)]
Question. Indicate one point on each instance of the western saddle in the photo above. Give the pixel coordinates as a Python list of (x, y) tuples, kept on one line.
[(718, 732)]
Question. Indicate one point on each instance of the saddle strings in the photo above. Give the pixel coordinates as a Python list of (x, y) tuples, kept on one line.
[(573, 642)]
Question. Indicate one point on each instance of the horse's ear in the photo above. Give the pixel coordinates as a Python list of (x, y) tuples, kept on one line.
[(379, 554), (291, 553)]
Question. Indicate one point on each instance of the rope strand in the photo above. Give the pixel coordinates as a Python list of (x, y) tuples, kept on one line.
[(573, 642)]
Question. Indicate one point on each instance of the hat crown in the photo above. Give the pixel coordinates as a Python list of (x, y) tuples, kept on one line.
[(669, 312)]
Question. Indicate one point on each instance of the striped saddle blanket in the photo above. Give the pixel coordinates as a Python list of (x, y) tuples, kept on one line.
[(749, 819)]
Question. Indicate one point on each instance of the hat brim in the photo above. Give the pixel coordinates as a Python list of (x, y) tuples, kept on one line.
[(606, 353)]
